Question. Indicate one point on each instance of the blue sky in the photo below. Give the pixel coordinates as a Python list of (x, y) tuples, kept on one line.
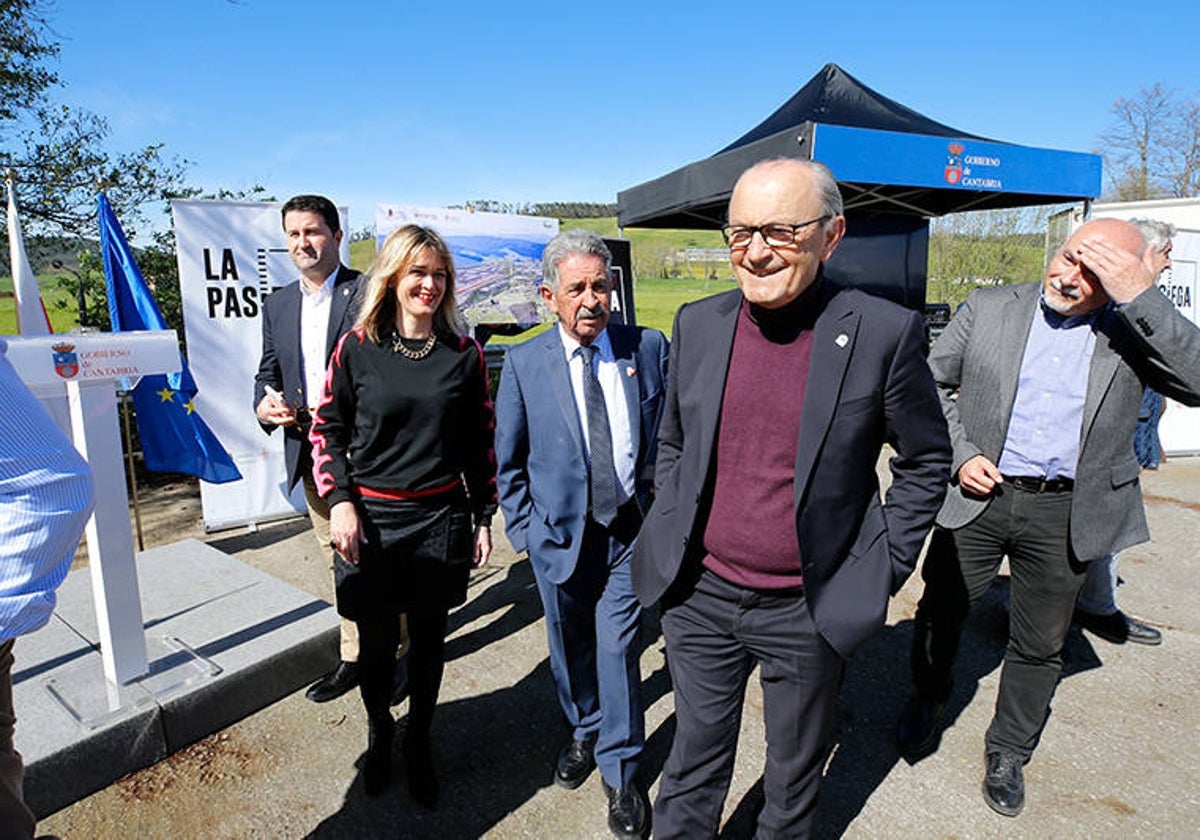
[(440, 103)]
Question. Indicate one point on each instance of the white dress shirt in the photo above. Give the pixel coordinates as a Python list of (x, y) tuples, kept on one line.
[(314, 326), (609, 373)]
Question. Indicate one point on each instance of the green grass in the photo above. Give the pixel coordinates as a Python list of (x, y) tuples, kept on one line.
[(657, 300), (62, 318), (361, 254)]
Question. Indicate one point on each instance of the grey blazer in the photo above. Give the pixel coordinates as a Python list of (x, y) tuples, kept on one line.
[(977, 360)]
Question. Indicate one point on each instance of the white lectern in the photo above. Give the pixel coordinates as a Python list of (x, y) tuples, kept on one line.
[(91, 365)]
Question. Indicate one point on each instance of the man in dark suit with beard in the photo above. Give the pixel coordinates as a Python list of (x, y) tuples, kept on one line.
[(768, 544)]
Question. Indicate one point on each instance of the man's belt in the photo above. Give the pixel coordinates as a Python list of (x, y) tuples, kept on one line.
[(1038, 484)]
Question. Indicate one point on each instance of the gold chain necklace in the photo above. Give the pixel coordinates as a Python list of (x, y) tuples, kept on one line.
[(416, 355)]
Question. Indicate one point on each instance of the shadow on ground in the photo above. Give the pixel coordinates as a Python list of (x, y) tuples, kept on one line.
[(872, 696), (495, 751)]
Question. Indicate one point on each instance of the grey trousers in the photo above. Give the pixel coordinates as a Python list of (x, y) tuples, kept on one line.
[(1031, 529), (715, 638)]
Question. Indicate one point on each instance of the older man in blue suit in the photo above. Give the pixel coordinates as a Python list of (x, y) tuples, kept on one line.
[(577, 418)]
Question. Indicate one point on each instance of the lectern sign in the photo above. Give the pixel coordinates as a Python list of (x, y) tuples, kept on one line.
[(89, 367), (90, 357)]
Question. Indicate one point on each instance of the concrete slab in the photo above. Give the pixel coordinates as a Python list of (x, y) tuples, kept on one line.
[(224, 640)]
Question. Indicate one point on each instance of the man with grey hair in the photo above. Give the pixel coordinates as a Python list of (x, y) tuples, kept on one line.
[(1041, 384), (768, 544), (576, 424), (1096, 608)]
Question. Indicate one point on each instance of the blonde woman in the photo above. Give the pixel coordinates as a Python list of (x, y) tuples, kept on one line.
[(403, 452)]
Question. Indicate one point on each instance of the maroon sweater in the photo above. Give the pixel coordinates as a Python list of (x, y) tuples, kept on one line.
[(750, 539)]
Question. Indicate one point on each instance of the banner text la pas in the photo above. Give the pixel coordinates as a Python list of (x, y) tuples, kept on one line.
[(224, 294)]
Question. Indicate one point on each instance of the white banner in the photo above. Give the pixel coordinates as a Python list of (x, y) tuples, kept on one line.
[(231, 256), (497, 256)]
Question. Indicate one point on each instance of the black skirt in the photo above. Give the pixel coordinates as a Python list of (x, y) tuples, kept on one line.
[(417, 556)]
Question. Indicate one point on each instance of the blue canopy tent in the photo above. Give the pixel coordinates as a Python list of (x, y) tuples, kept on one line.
[(896, 168)]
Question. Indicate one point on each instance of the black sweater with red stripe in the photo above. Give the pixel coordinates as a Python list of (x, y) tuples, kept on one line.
[(389, 423)]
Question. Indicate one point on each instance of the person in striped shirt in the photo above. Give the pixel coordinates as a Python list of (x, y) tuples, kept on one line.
[(45, 500)]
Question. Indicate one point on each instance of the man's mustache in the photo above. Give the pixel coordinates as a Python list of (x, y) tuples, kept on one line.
[(596, 311), (1073, 294)]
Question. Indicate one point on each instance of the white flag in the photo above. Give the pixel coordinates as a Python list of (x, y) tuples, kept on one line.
[(31, 314)]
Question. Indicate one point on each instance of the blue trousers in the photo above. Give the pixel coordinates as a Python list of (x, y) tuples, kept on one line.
[(593, 622)]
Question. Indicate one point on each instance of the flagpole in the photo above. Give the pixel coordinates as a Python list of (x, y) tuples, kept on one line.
[(124, 396), (137, 508)]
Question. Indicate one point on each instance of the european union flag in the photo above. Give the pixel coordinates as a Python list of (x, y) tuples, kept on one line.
[(174, 438)]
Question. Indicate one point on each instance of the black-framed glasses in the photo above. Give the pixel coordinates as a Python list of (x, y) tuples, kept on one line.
[(776, 235)]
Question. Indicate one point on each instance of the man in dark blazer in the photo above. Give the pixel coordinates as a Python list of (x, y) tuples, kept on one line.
[(1041, 385), (768, 544), (319, 307), (576, 418)]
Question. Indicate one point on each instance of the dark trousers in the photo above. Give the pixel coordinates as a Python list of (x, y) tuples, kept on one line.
[(593, 623), (379, 638), (15, 819), (1032, 529), (715, 637)]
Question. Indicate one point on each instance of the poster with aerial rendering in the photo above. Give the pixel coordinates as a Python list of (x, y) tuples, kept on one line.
[(497, 257)]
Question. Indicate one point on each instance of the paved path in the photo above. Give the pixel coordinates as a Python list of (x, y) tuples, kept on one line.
[(1118, 759)]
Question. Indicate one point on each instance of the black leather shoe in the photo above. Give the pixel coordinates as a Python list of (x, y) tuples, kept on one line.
[(400, 682), (1004, 784), (575, 763), (628, 812), (377, 769), (418, 766), (334, 684), (919, 731), (1118, 628)]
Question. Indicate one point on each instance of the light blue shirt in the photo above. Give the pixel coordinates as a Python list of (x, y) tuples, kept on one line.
[(45, 500), (1047, 414)]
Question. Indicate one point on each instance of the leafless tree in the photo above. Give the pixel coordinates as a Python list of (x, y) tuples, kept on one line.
[(1152, 148)]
